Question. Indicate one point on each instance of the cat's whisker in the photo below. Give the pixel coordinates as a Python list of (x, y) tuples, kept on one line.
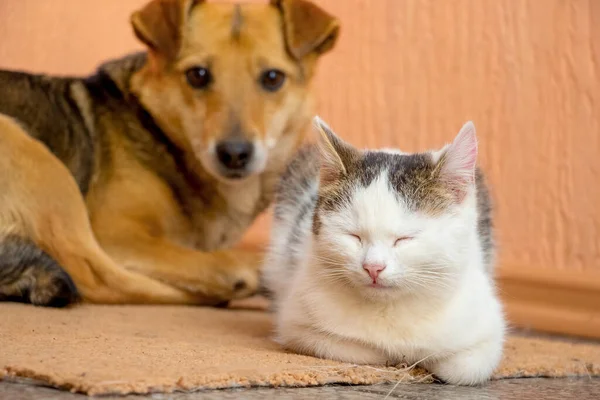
[(427, 282), (324, 258), (332, 275), (426, 279), (324, 267), (436, 277), (333, 264)]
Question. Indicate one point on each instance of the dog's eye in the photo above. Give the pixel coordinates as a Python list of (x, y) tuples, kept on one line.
[(198, 77), (272, 79)]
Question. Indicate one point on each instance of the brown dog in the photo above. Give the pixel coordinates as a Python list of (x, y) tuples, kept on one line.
[(134, 180)]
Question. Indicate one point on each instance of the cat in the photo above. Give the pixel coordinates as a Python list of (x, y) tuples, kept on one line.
[(378, 256)]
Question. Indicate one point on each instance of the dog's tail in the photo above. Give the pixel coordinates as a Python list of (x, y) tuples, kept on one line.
[(29, 275)]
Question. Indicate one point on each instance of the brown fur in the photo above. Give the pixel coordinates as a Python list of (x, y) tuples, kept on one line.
[(111, 176)]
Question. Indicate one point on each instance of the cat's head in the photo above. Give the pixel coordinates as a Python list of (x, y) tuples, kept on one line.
[(391, 223)]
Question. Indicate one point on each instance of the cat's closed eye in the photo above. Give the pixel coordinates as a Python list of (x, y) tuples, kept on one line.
[(355, 236), (402, 239)]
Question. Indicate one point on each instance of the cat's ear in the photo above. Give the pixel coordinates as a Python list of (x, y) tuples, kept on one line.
[(336, 155), (458, 160)]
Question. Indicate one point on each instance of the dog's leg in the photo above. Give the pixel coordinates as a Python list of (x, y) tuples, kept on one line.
[(218, 275), (138, 221), (44, 226)]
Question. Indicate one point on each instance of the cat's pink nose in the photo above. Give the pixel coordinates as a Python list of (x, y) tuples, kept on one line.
[(374, 270)]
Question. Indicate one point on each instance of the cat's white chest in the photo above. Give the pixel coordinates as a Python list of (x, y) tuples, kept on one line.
[(397, 331), (403, 331), (354, 320)]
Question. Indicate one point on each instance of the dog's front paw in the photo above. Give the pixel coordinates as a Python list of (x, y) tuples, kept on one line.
[(239, 274), (230, 275), (219, 277)]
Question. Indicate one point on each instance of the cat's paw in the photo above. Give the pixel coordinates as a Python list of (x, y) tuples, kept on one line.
[(469, 367)]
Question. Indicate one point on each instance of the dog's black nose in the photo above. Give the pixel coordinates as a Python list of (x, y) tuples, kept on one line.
[(235, 154)]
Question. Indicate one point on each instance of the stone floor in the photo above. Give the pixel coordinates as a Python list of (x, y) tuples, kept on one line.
[(521, 389)]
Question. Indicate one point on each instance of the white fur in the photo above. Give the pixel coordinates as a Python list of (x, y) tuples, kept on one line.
[(438, 306)]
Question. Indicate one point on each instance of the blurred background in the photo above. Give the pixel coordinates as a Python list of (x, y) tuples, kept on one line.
[(409, 73)]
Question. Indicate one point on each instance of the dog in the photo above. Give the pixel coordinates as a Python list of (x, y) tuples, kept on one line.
[(132, 185)]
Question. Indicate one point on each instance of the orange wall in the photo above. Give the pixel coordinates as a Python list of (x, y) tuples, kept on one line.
[(408, 73)]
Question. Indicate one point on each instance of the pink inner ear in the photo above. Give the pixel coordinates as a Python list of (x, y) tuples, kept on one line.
[(460, 161), (329, 173)]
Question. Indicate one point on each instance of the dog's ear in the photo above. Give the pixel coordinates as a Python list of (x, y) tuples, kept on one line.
[(158, 24), (307, 28)]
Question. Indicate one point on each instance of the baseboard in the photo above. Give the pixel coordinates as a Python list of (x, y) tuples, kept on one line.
[(553, 301)]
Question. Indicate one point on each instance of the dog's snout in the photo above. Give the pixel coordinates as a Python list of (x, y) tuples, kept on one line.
[(235, 154)]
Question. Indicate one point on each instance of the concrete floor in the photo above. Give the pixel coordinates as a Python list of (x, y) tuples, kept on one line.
[(521, 389)]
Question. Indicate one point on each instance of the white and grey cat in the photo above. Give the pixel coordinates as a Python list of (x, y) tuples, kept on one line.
[(381, 256)]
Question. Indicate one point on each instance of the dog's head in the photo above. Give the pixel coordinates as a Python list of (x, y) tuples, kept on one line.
[(230, 83)]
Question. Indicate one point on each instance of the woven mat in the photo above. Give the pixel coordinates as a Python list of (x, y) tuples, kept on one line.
[(138, 349)]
